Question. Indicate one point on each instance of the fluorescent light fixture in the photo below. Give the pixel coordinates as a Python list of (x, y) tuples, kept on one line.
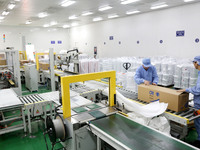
[(46, 25), (67, 3), (17, 0), (42, 14), (98, 19), (74, 24), (1, 17), (113, 16), (66, 26), (159, 5), (52, 23), (11, 6), (188, 0), (28, 22), (105, 8), (5, 13), (87, 13), (73, 17), (132, 12), (124, 2)]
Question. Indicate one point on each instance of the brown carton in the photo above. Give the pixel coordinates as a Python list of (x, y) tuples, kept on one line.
[(44, 66), (2, 56), (176, 101), (3, 62)]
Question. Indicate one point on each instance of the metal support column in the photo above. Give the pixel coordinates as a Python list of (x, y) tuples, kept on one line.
[(29, 121), (24, 120), (51, 59), (45, 116), (98, 143), (24, 47)]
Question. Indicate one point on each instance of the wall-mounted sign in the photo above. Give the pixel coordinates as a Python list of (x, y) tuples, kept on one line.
[(53, 42), (138, 42), (95, 52), (197, 40), (111, 38), (119, 42), (59, 42), (180, 33), (161, 41)]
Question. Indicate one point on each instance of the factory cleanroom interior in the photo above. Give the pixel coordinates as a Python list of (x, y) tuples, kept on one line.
[(99, 75)]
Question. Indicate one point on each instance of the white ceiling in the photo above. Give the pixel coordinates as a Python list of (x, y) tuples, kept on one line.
[(29, 9)]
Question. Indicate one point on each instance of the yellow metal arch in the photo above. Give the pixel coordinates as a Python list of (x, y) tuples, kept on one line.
[(65, 87), (37, 58)]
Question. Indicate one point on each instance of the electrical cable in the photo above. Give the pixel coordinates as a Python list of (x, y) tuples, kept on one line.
[(45, 140)]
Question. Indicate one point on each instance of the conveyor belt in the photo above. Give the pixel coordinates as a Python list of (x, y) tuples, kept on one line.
[(184, 117), (31, 99), (136, 136)]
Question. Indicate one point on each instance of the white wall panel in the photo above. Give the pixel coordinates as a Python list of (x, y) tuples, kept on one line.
[(148, 28), (40, 37)]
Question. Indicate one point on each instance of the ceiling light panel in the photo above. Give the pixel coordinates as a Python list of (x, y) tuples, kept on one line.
[(66, 26), (28, 22), (46, 25), (67, 3), (1, 17), (132, 12), (113, 16), (53, 23), (87, 13), (188, 1), (159, 5), (42, 15), (72, 17), (11, 6), (103, 8), (98, 19), (125, 2), (5, 13)]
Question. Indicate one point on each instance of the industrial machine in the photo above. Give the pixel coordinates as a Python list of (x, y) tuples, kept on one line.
[(101, 125), (10, 71), (31, 77), (19, 112), (69, 61)]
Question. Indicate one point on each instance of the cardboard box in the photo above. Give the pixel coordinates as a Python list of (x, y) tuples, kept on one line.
[(176, 101), (22, 62), (44, 66), (2, 56), (3, 62)]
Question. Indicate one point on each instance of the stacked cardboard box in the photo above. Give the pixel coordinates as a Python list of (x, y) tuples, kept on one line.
[(44, 66), (2, 59), (176, 101)]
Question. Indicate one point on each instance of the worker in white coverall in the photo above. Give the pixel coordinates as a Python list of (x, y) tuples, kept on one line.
[(196, 92), (146, 73)]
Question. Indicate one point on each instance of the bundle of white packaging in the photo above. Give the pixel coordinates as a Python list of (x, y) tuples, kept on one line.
[(156, 62), (185, 74), (178, 76), (88, 65), (106, 64), (179, 72), (167, 70), (193, 76)]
